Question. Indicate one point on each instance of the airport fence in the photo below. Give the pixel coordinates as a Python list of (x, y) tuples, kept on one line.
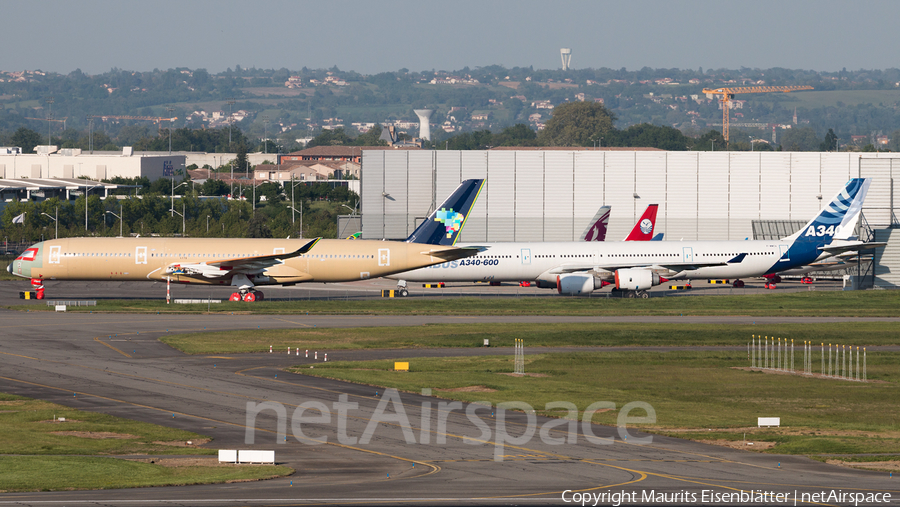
[(775, 354), (72, 303)]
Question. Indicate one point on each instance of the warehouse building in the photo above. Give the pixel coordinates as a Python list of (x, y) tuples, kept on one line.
[(49, 162), (550, 194)]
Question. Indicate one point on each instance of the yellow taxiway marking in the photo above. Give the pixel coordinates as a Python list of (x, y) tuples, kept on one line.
[(98, 340)]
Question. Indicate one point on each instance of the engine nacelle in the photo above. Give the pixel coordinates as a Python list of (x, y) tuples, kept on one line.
[(637, 279), (578, 284)]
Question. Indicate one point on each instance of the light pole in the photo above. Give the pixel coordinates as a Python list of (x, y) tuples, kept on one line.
[(119, 217), (230, 103), (55, 220), (49, 120), (207, 224), (266, 134), (174, 186), (169, 110), (182, 217), (301, 216), (87, 191), (91, 133)]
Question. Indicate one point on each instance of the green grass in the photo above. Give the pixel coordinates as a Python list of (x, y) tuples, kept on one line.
[(824, 304), (4, 274), (688, 389), (63, 473), (38, 458), (534, 335), (27, 427)]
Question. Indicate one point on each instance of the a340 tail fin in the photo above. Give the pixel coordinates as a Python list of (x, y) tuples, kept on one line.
[(445, 223), (643, 229), (596, 229), (838, 219)]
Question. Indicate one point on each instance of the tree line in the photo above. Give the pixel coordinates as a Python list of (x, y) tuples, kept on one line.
[(146, 211)]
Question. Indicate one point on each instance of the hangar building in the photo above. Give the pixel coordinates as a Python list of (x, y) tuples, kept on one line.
[(550, 194)]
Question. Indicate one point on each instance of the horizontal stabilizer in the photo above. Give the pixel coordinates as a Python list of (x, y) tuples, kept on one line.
[(838, 246), (452, 254)]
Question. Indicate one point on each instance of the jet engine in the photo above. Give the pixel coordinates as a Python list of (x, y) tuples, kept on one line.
[(578, 284), (637, 279)]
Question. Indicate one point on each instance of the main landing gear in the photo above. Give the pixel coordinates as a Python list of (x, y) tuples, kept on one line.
[(401, 289), (249, 295), (630, 294)]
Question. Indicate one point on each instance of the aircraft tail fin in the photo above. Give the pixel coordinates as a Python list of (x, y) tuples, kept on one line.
[(443, 225), (596, 231), (838, 219), (643, 229)]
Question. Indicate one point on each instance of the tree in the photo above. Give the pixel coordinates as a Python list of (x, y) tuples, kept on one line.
[(577, 124), (830, 143), (894, 145), (240, 162), (712, 140), (370, 138), (258, 226), (646, 135), (801, 139), (517, 135), (26, 139), (333, 137)]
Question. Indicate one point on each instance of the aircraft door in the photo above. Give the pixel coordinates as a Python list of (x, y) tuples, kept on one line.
[(278, 251), (140, 255), (785, 252), (526, 256), (687, 254), (384, 257), (54, 254)]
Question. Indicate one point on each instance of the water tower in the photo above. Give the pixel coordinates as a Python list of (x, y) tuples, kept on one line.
[(424, 127), (566, 55)]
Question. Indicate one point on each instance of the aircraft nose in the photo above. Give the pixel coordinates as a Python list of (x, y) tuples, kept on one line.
[(9, 268)]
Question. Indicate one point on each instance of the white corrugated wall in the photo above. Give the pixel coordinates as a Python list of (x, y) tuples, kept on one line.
[(559, 223), (551, 195), (681, 196)]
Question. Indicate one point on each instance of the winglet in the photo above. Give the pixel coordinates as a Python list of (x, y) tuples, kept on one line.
[(307, 247), (643, 229), (737, 259), (445, 223), (596, 231)]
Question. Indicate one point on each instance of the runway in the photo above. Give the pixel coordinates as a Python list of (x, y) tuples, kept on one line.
[(114, 364)]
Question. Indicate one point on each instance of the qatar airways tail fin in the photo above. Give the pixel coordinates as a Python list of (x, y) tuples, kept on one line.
[(443, 225), (596, 231), (643, 229)]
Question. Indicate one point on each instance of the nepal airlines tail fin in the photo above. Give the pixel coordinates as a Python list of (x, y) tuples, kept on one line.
[(443, 225), (596, 231), (643, 229)]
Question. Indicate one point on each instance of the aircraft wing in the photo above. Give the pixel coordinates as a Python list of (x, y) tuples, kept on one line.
[(840, 246), (254, 264), (672, 266)]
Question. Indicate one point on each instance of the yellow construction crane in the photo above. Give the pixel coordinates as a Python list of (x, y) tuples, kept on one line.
[(155, 119), (729, 93), (63, 120)]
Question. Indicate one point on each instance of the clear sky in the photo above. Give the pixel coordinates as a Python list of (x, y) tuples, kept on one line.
[(373, 36)]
